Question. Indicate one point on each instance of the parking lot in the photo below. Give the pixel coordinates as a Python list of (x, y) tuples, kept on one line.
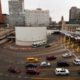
[(11, 57)]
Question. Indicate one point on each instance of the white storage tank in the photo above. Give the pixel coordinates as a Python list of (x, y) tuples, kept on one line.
[(27, 36)]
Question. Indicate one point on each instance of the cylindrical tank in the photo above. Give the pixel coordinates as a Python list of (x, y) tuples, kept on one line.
[(27, 36)]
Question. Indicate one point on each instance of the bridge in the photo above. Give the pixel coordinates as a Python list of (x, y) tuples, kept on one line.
[(49, 32), (6, 35)]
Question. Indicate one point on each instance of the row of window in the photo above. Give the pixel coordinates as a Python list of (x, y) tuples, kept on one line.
[(71, 28)]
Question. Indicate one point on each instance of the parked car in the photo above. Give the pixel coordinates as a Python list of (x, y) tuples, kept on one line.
[(76, 61), (14, 70), (45, 64), (33, 71), (31, 65), (34, 46), (65, 55), (51, 58), (46, 46), (62, 64), (78, 72), (32, 60), (62, 71)]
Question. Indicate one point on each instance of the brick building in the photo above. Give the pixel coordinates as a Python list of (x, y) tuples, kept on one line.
[(1, 16)]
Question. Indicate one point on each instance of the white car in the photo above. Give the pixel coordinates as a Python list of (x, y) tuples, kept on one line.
[(62, 71), (76, 61), (45, 64), (67, 55)]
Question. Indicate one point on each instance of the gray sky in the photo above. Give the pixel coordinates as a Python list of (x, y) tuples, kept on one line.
[(57, 8)]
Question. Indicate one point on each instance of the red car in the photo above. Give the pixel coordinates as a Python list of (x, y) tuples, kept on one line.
[(33, 71), (14, 70), (50, 58)]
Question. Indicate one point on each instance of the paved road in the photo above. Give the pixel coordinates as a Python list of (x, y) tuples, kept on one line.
[(11, 57)]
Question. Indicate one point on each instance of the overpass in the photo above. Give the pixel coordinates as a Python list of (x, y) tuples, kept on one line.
[(49, 32), (8, 35), (5, 36)]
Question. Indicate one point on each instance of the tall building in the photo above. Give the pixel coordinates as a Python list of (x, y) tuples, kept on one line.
[(1, 17), (16, 12), (37, 17), (74, 13), (69, 26)]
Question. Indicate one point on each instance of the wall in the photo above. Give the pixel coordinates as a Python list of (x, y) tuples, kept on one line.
[(26, 36), (1, 17)]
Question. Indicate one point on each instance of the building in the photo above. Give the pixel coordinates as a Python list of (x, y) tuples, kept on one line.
[(54, 26), (70, 26), (28, 36), (5, 19), (1, 16), (78, 31), (37, 17), (74, 14), (16, 12), (30, 25), (20, 17), (74, 20)]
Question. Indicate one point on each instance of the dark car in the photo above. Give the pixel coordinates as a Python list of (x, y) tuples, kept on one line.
[(50, 58), (78, 72), (31, 65), (33, 71), (46, 46), (62, 64), (14, 70)]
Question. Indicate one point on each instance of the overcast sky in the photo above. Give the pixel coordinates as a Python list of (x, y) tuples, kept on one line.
[(57, 8)]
